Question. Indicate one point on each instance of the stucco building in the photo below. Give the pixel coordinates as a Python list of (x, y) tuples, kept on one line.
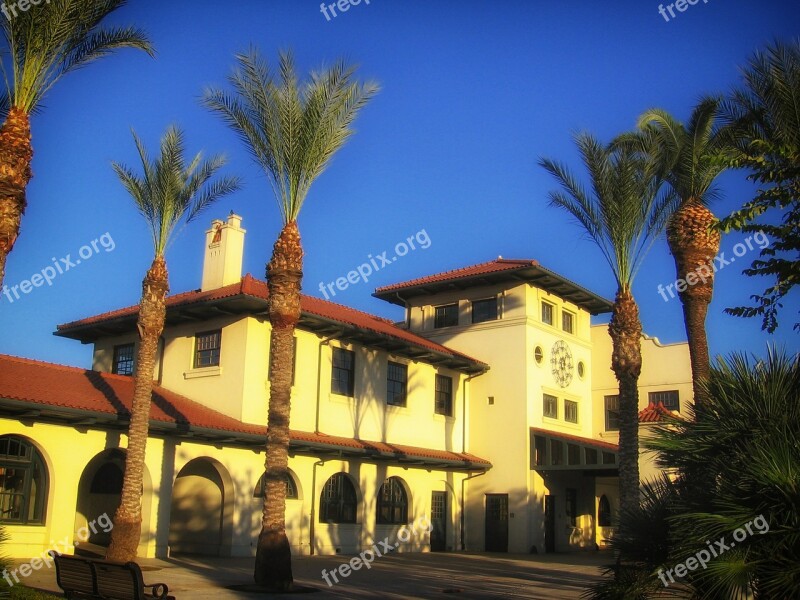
[(488, 414)]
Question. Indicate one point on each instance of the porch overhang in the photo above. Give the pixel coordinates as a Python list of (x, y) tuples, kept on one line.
[(556, 451)]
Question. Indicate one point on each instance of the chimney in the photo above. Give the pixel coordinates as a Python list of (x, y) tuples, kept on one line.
[(222, 261)]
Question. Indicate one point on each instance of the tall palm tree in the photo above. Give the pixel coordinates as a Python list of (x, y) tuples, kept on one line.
[(168, 190), (292, 129), (44, 43), (691, 159), (623, 211)]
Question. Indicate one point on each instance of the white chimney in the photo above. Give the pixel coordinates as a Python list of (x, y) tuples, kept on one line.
[(222, 261)]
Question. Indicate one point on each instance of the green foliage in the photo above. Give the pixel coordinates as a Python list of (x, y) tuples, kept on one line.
[(170, 189), (47, 41), (623, 211), (736, 461), (291, 128), (764, 118)]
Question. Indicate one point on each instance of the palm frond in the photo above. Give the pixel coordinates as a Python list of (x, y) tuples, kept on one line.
[(168, 189), (291, 128)]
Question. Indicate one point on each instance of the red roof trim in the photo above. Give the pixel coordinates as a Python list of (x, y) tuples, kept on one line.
[(492, 266), (59, 386), (654, 413), (576, 439)]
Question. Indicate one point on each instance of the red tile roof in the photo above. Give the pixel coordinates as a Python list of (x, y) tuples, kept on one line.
[(493, 266), (255, 288), (577, 439), (654, 413), (66, 388)]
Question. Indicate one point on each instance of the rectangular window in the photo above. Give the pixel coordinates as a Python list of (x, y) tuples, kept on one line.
[(547, 313), (123, 360), (570, 411), (206, 349), (670, 399), (556, 452), (572, 506), (396, 383), (446, 316), (549, 406), (540, 445), (343, 373), (567, 321), (294, 360), (444, 396), (484, 310), (612, 413), (573, 454)]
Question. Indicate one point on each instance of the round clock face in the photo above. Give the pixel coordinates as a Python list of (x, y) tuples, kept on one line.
[(561, 363)]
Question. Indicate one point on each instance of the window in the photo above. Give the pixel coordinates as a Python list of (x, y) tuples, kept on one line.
[(581, 369), (669, 399), (570, 411), (23, 482), (573, 454), (567, 321), (550, 406), (572, 506), (538, 355), (444, 396), (123, 360), (294, 359), (612, 413), (396, 383), (206, 352), (392, 502), (547, 313), (446, 316), (540, 446), (556, 452), (484, 310), (343, 373), (261, 487), (338, 502), (604, 512)]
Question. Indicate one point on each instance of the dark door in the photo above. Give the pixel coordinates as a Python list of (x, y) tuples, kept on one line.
[(439, 522), (496, 522), (549, 524)]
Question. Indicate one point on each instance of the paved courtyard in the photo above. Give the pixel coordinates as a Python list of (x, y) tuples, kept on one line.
[(397, 576)]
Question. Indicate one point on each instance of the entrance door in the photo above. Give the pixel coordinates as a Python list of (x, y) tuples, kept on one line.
[(496, 522), (549, 524), (439, 521)]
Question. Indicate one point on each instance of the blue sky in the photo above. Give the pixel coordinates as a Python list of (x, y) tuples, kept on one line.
[(473, 93)]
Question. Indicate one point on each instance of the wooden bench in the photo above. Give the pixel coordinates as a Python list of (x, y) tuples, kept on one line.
[(81, 577)]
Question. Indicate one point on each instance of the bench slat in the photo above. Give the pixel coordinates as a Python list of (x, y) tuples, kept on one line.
[(100, 579)]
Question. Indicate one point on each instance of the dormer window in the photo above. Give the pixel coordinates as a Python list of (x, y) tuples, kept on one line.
[(446, 316)]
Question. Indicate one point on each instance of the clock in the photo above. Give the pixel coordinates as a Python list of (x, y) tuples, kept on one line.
[(561, 363)]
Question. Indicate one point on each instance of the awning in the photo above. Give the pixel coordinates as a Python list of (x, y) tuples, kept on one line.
[(552, 451)]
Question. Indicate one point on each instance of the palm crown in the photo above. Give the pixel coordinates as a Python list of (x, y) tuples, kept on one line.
[(46, 42), (291, 130), (169, 188)]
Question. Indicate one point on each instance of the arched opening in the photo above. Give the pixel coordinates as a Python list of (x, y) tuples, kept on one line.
[(201, 516), (338, 501), (23, 482), (604, 512), (292, 488), (392, 506)]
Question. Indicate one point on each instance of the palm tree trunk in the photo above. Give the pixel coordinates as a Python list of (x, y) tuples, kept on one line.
[(152, 313), (694, 243), (16, 154), (625, 330), (273, 568)]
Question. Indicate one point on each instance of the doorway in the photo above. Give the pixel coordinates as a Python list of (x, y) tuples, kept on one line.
[(496, 522)]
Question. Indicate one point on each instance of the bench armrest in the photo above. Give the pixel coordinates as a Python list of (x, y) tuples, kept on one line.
[(158, 590)]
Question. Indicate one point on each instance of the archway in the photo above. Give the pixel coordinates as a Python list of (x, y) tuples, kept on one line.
[(201, 517)]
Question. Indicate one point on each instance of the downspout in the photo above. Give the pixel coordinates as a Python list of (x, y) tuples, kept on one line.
[(161, 345), (464, 411), (463, 507), (319, 463)]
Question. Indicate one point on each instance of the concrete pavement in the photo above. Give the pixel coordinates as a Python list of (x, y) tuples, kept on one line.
[(395, 576)]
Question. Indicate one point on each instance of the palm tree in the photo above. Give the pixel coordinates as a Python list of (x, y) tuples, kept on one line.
[(690, 159), (167, 190), (292, 130), (45, 43), (623, 213), (765, 119)]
